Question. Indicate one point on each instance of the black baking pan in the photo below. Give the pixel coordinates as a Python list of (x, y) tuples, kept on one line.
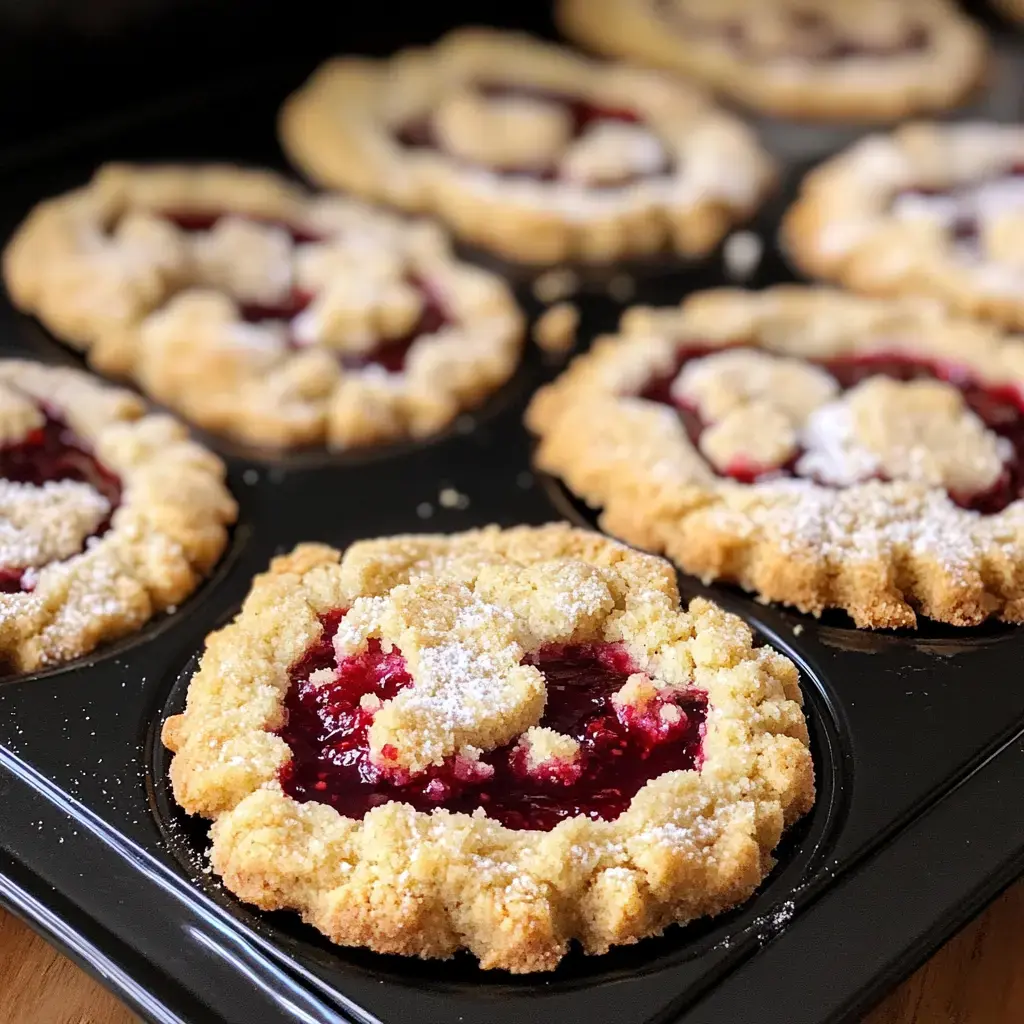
[(918, 738)]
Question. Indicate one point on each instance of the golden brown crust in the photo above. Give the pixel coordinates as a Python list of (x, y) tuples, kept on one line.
[(783, 67), (402, 881), (339, 129), (167, 533), (145, 300), (882, 551), (850, 225)]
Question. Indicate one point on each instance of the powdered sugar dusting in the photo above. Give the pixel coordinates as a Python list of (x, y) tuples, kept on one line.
[(469, 687), (921, 431), (45, 523)]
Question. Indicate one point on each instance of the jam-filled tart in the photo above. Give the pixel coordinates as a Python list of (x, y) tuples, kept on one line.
[(930, 209), (262, 312), (820, 449), (823, 59), (528, 150), (107, 515), (500, 741)]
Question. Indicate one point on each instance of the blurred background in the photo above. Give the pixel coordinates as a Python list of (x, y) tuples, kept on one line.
[(63, 61)]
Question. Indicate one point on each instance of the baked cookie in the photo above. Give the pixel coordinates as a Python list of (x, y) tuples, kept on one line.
[(931, 209), (499, 741), (107, 515), (819, 449), (528, 150), (835, 60), (262, 312)]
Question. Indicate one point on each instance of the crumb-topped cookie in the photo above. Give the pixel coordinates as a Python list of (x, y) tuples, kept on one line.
[(825, 59), (107, 515), (529, 150), (260, 311), (501, 741), (931, 209), (819, 449)]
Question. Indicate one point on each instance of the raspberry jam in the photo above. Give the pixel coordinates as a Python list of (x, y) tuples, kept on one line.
[(1001, 409), (389, 354), (53, 452), (187, 220), (621, 749), (252, 312), (419, 134)]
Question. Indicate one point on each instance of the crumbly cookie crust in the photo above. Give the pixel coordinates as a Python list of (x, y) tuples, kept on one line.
[(168, 531), (883, 551), (340, 130), (403, 881), (929, 209), (108, 270), (794, 58)]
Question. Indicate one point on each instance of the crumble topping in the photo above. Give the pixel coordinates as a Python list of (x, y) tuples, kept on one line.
[(638, 693), (935, 503), (264, 312), (546, 749), (1002, 238), (19, 415), (108, 516), (723, 382), (528, 150), (43, 524), (502, 131), (920, 431), (361, 307), (469, 688), (612, 152), (927, 210), (759, 435), (249, 261), (419, 875), (763, 409)]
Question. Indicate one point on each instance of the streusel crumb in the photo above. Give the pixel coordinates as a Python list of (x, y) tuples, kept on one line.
[(462, 647), (108, 515), (897, 496), (261, 311), (530, 151)]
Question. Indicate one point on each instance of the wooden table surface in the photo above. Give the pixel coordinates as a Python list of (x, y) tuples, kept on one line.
[(976, 978)]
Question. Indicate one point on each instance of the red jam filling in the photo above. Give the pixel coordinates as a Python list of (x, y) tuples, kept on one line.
[(194, 221), (1001, 409), (53, 452), (419, 134), (813, 36), (965, 228), (390, 353), (252, 312), (621, 749)]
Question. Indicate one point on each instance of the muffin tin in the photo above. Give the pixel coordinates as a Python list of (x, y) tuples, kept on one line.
[(918, 738)]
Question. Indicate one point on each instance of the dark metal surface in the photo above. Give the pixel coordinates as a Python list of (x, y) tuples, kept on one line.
[(917, 737)]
